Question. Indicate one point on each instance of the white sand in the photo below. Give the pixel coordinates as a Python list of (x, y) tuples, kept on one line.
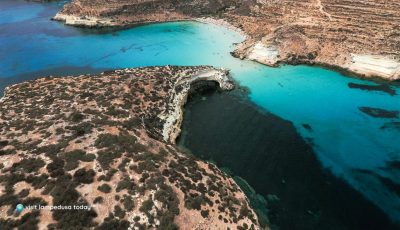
[(223, 23)]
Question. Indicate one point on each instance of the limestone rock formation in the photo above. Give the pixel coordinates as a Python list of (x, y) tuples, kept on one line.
[(362, 36)]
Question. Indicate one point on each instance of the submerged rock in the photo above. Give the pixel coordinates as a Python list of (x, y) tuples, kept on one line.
[(391, 125), (382, 87), (379, 113), (269, 157), (307, 127)]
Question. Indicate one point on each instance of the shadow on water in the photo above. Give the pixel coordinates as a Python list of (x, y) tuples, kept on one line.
[(268, 153)]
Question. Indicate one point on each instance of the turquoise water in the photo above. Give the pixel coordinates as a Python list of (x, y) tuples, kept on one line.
[(352, 144)]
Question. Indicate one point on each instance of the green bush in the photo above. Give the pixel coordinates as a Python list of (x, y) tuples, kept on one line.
[(56, 167), (118, 212), (98, 200), (125, 183), (28, 165), (67, 219), (110, 173), (81, 129), (107, 158), (37, 182), (104, 188), (147, 205), (114, 224), (193, 202), (118, 144), (27, 221), (122, 166), (204, 213), (132, 123), (84, 176), (244, 211), (128, 203), (116, 112), (75, 156), (76, 117), (3, 143), (23, 192)]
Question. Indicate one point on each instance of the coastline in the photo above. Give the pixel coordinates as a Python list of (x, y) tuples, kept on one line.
[(212, 114), (361, 66), (368, 66), (222, 23), (85, 21), (138, 125), (173, 115), (173, 118), (174, 128), (105, 23), (269, 55)]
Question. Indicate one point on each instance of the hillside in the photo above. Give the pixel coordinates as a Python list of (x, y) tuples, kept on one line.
[(361, 36), (106, 143)]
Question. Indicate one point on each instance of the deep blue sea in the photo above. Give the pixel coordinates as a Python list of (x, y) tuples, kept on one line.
[(359, 147)]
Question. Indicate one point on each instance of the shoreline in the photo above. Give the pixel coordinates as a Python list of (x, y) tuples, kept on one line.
[(170, 83), (196, 142), (249, 49), (174, 117), (222, 23), (178, 119), (108, 26), (274, 60), (388, 71)]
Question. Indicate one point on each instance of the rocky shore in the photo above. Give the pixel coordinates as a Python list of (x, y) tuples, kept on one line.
[(105, 142), (173, 115), (86, 21), (360, 36)]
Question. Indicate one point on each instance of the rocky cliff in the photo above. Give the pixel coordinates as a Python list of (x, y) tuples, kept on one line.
[(362, 36), (98, 150)]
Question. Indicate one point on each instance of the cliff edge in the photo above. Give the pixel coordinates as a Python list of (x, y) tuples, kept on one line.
[(98, 152)]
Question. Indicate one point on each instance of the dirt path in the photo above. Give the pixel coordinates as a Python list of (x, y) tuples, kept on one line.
[(321, 9)]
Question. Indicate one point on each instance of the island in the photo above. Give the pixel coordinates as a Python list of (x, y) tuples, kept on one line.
[(97, 151)]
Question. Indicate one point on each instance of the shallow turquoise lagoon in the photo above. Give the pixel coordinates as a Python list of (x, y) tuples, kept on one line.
[(362, 149)]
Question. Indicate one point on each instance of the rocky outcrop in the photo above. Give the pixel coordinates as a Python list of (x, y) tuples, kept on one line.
[(328, 32), (98, 152), (133, 12), (264, 54), (85, 21), (336, 33), (372, 66), (172, 116)]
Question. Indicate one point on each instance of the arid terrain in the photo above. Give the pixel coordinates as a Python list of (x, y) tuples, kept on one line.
[(100, 149), (361, 36), (107, 142)]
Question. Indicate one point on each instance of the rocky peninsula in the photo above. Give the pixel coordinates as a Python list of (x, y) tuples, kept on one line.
[(361, 36), (105, 143)]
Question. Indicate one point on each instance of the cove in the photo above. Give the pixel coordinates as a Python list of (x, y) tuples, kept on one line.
[(271, 156), (324, 107)]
